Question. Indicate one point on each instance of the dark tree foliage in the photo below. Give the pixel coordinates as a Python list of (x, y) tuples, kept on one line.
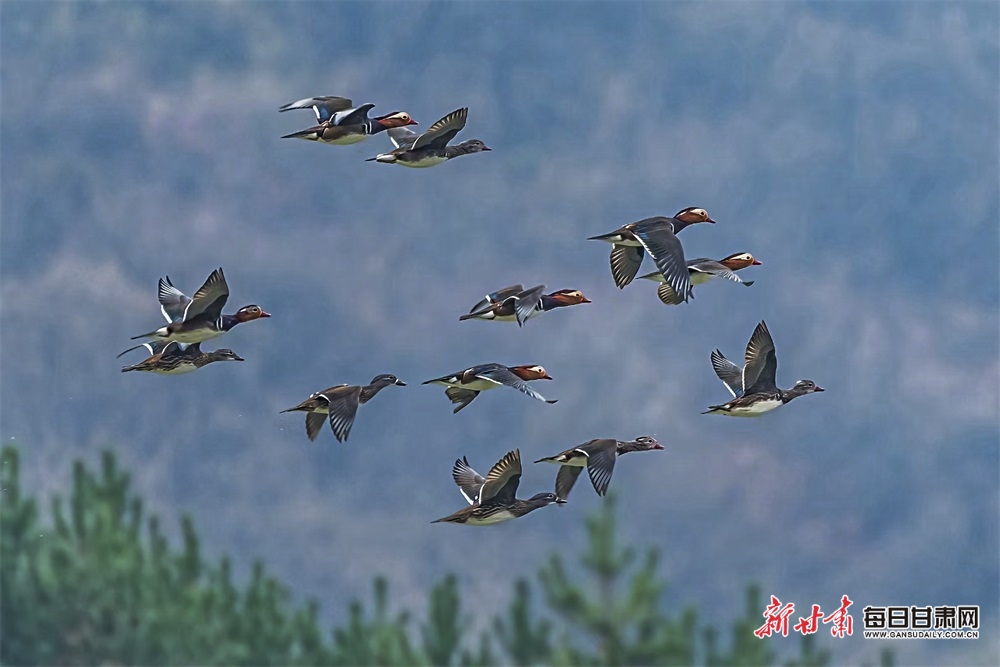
[(100, 584)]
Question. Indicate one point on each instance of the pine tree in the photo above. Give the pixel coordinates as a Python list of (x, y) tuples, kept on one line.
[(614, 615), (524, 638), (442, 632), (100, 584), (379, 640), (95, 588)]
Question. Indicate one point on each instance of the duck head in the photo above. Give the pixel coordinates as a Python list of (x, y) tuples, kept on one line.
[(530, 372), (740, 260), (543, 499), (396, 119), (251, 312), (692, 215), (385, 380), (225, 354), (646, 443), (803, 387), (473, 146), (568, 297)]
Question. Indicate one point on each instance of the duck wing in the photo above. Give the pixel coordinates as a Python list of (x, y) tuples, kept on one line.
[(469, 482), (441, 132), (357, 116), (759, 349), (666, 250), (461, 396), (324, 106), (625, 263), (601, 463), (502, 479), (402, 137), (344, 403), (565, 479), (505, 376), (714, 268), (668, 295), (173, 302), (495, 297), (527, 302), (210, 298), (730, 374)]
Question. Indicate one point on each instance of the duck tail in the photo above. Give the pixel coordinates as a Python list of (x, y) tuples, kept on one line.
[(302, 134), (475, 314)]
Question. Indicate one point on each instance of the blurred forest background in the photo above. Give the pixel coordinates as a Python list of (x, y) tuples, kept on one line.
[(99, 583)]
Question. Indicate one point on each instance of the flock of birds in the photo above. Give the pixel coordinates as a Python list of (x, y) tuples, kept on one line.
[(176, 347)]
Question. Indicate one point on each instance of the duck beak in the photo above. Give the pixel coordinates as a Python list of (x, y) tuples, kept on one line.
[(237, 357), (546, 377), (400, 383), (710, 220), (413, 122), (263, 314), (819, 388), (585, 300), (561, 501), (487, 148), (658, 446), (755, 263)]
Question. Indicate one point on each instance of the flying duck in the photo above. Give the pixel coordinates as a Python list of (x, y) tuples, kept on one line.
[(753, 386), (515, 303), (492, 498), (598, 456), (198, 318), (702, 270), (177, 358), (430, 148), (341, 404), (463, 387), (658, 237), (352, 126)]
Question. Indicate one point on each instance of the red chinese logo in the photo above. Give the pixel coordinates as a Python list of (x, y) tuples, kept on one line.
[(777, 619), (777, 615)]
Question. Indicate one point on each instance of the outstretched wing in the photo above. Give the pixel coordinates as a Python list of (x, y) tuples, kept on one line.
[(440, 133), (668, 295), (730, 374), (469, 482), (173, 302), (505, 377), (667, 252), (760, 351), (402, 137), (714, 268), (353, 116), (625, 262), (314, 424), (499, 295), (461, 396), (526, 302), (565, 479), (601, 463), (343, 407), (210, 298), (502, 479), (324, 106)]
